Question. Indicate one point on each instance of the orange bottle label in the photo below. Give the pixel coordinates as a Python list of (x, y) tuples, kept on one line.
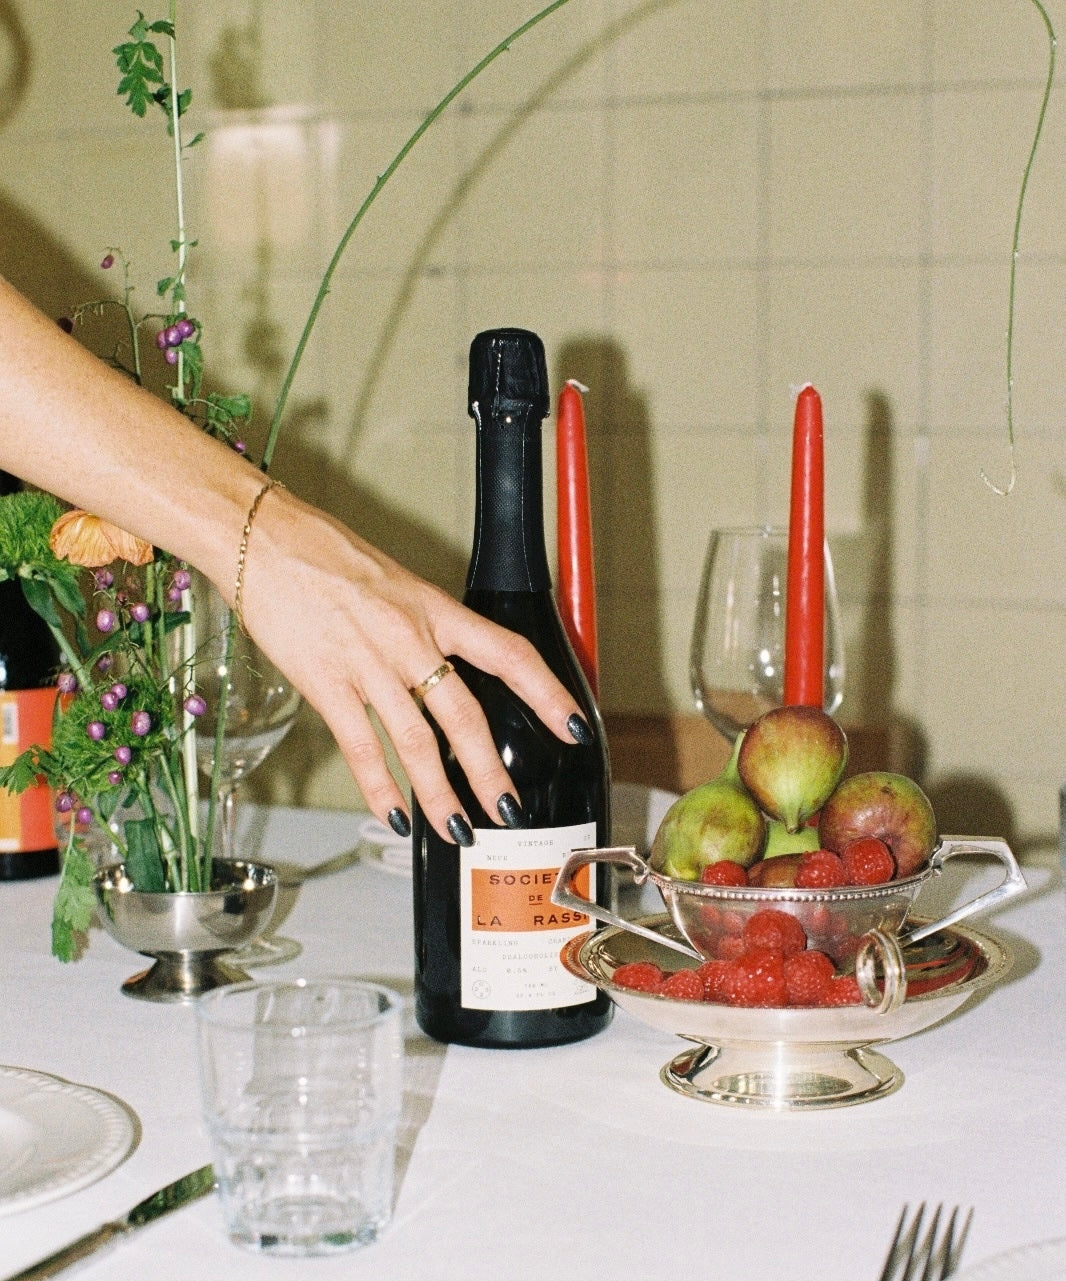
[(520, 899), (26, 820), (511, 933)]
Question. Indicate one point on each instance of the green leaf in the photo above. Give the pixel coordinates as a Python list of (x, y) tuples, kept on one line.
[(75, 902), (193, 357), (144, 859), (164, 285), (224, 409), (141, 66), (172, 621), (26, 521), (21, 773), (68, 594), (41, 600)]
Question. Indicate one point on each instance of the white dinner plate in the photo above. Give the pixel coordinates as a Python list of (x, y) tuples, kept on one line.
[(55, 1137), (1042, 1261)]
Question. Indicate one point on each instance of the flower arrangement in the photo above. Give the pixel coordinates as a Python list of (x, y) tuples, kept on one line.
[(122, 759)]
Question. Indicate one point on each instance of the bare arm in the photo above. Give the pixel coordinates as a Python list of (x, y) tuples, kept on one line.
[(349, 626)]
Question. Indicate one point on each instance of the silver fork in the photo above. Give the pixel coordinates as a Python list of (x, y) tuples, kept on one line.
[(929, 1257)]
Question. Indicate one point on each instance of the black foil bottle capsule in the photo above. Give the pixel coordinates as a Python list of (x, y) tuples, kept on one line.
[(487, 937), (29, 656)]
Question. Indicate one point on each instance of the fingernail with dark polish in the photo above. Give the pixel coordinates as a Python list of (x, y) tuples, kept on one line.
[(399, 822), (579, 730), (510, 810), (460, 830)]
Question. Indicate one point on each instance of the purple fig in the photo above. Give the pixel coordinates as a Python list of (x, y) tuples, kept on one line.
[(888, 806), (790, 760), (777, 873), (714, 821)]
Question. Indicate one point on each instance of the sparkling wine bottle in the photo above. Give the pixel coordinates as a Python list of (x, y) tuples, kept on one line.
[(28, 659), (487, 936)]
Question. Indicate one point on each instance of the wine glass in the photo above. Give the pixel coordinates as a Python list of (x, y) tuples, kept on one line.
[(261, 704), (737, 660)]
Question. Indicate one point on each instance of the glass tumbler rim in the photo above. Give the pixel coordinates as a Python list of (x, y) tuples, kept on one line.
[(217, 1008)]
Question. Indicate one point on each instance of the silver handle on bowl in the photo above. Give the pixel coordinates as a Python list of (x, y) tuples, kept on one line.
[(949, 847), (876, 945), (624, 856)]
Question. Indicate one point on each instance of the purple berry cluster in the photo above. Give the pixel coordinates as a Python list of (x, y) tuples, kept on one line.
[(123, 717), (120, 716), (126, 604), (180, 582), (168, 340)]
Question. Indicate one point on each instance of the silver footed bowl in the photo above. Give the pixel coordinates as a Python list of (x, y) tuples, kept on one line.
[(789, 1059), (187, 933)]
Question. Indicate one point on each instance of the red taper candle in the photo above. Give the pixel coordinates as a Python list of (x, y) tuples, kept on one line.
[(577, 584), (805, 603)]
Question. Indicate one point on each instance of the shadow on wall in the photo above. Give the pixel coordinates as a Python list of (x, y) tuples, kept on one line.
[(625, 535), (618, 420), (964, 804), (17, 61), (451, 203)]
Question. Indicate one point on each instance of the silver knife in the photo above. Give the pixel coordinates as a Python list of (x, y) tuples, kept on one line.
[(183, 1191)]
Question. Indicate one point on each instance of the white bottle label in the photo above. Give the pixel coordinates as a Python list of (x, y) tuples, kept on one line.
[(512, 933)]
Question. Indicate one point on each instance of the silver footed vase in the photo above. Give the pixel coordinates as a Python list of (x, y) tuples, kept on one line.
[(187, 934)]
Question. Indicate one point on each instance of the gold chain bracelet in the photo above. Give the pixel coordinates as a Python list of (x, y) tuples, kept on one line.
[(243, 553)]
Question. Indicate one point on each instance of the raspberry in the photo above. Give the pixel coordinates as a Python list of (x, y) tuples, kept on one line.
[(757, 979), (807, 978), (724, 872), (868, 861), (640, 976), (770, 927), (715, 976), (683, 985), (843, 990), (729, 947), (820, 870)]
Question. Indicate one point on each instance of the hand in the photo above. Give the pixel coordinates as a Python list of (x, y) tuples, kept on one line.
[(354, 630)]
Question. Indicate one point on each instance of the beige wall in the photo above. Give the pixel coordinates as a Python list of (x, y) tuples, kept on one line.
[(698, 205)]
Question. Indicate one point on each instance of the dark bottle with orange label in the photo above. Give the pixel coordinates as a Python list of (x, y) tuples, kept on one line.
[(487, 936), (29, 657)]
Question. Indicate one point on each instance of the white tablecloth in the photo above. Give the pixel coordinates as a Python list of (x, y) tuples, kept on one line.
[(574, 1161)]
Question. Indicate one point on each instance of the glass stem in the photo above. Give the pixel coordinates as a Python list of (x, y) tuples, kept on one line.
[(228, 801)]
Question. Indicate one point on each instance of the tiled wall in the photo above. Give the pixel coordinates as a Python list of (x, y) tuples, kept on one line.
[(699, 205)]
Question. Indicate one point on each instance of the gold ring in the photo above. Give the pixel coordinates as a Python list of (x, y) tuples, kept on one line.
[(434, 678)]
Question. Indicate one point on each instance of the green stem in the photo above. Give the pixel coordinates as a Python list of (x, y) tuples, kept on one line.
[(188, 861), (178, 291), (221, 717), (398, 159), (131, 322), (1014, 254), (71, 655), (187, 804)]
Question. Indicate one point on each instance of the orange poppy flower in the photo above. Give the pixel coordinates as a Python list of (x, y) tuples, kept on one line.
[(91, 541)]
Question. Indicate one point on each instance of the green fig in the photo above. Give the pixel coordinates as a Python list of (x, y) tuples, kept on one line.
[(714, 821), (780, 841), (790, 760)]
